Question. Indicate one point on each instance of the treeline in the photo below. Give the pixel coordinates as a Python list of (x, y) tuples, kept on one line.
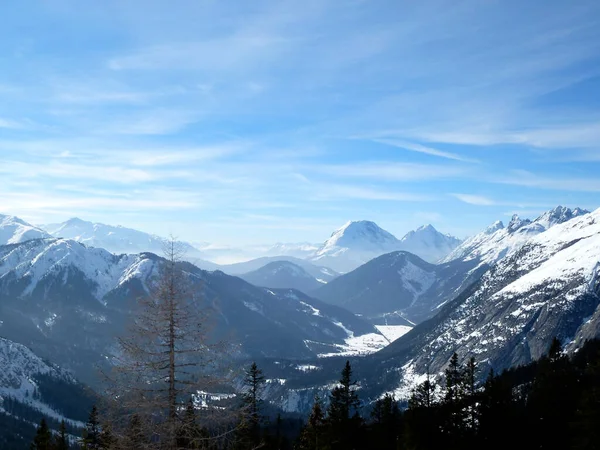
[(553, 403)]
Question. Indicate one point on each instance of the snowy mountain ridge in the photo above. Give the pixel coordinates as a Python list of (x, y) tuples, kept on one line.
[(19, 367), (40, 259), (358, 242), (497, 241), (549, 286), (14, 230)]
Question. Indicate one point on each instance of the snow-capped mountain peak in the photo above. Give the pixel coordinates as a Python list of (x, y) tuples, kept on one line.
[(428, 243), (116, 239), (353, 244), (357, 242), (14, 230), (516, 222), (359, 234), (495, 242)]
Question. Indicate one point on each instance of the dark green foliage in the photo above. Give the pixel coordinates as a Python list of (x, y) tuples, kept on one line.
[(385, 427), (134, 438), (250, 427), (343, 421), (91, 434), (43, 437), (312, 434), (61, 442)]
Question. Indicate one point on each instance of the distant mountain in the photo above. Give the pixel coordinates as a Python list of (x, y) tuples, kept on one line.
[(32, 388), (120, 240), (398, 288), (354, 244), (497, 241), (549, 286), (296, 249), (320, 273), (14, 230), (358, 242), (67, 301), (283, 274), (429, 244)]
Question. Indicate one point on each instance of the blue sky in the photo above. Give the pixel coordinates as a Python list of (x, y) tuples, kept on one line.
[(264, 121)]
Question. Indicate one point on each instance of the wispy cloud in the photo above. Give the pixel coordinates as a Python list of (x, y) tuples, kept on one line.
[(395, 171), (413, 147), (562, 183), (471, 199)]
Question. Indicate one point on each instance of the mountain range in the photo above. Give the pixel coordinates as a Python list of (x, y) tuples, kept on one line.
[(499, 296), (348, 247), (529, 292), (283, 274), (68, 301), (14, 230), (358, 242)]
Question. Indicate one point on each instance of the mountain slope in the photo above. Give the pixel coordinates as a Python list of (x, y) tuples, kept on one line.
[(548, 287), (31, 388), (429, 244), (68, 301), (14, 230), (497, 241), (398, 284), (319, 272), (355, 243), (119, 240), (358, 242), (283, 274)]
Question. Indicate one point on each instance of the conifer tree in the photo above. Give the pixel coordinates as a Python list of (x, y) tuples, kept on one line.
[(91, 433), (343, 419), (470, 392), (422, 416), (311, 435), (61, 440), (385, 427), (43, 437), (189, 435), (453, 405), (135, 437), (552, 398), (254, 381), (496, 412)]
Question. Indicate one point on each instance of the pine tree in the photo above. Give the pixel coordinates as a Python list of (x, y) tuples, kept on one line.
[(497, 412), (254, 381), (189, 434), (311, 435), (552, 398), (422, 417), (91, 433), (135, 437), (343, 420), (61, 442), (470, 392), (453, 404), (106, 438), (43, 437), (423, 396), (385, 427)]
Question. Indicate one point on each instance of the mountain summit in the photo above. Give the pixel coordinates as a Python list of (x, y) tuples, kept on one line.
[(14, 230), (358, 242), (428, 243), (354, 244), (496, 241)]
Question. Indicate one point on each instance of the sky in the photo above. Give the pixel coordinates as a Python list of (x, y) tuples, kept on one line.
[(278, 121)]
